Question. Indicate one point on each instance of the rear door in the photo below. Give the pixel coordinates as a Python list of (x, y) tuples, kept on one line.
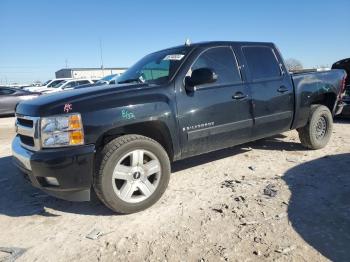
[(271, 89), (216, 115)]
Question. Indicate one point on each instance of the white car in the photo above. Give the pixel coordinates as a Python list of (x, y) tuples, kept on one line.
[(67, 85), (46, 85), (108, 80)]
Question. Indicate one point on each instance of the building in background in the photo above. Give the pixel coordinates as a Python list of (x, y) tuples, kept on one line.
[(88, 72)]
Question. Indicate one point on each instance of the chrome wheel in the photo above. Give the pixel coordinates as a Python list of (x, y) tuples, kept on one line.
[(136, 176)]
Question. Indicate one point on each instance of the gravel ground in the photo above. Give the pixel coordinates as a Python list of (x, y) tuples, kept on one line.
[(267, 200)]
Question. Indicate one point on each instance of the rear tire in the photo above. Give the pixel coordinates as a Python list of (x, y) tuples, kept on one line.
[(317, 133), (132, 173)]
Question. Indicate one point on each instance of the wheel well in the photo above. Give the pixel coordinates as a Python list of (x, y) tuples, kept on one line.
[(327, 99), (156, 130)]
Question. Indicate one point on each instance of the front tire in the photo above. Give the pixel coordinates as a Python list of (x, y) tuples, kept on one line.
[(133, 173), (317, 133)]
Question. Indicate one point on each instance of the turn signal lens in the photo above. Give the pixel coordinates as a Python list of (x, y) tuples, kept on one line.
[(76, 137), (74, 122)]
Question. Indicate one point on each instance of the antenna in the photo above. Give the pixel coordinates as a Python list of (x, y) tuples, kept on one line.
[(188, 42), (66, 61)]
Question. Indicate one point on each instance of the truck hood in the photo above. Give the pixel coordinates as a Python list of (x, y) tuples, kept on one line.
[(35, 88), (79, 100)]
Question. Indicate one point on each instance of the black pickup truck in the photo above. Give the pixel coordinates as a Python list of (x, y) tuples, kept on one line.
[(172, 104)]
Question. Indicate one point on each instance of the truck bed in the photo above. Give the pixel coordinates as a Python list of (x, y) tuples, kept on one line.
[(312, 87)]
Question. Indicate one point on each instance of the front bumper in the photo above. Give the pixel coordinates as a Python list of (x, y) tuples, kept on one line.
[(71, 167)]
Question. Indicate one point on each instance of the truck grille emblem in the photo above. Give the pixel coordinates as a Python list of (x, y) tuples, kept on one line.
[(67, 108)]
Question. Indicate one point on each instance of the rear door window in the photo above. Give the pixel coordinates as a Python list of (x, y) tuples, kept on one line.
[(262, 62)]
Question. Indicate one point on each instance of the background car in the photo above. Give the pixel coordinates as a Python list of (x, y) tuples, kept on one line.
[(107, 80), (67, 84), (48, 84), (10, 96)]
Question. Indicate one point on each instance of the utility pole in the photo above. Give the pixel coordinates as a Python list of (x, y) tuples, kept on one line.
[(101, 56), (66, 61)]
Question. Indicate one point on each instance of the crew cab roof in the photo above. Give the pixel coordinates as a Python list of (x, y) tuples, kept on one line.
[(218, 43), (221, 43)]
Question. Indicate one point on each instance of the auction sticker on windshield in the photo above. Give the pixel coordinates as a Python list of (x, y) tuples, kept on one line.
[(174, 57)]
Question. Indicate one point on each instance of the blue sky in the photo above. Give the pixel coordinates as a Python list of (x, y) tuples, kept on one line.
[(36, 37)]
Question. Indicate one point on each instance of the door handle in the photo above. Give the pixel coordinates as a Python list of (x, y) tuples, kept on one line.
[(239, 96), (282, 89)]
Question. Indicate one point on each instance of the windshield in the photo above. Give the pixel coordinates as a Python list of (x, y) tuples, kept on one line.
[(55, 83), (157, 68), (60, 84), (106, 79), (48, 81)]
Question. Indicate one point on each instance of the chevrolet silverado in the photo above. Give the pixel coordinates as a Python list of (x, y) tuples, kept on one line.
[(172, 104)]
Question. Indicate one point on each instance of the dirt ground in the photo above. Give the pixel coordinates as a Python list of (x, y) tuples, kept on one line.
[(268, 200)]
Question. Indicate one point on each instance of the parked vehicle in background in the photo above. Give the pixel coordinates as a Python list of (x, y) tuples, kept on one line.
[(107, 80), (345, 64), (171, 105), (67, 85), (48, 84), (9, 97), (17, 86)]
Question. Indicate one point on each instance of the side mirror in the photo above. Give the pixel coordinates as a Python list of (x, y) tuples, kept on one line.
[(201, 76), (112, 82)]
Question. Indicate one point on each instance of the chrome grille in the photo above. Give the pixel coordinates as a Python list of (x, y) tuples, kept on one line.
[(27, 128)]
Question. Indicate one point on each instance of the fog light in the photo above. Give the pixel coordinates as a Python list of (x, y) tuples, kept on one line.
[(52, 181)]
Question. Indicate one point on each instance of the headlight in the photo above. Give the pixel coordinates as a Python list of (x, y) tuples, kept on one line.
[(65, 130)]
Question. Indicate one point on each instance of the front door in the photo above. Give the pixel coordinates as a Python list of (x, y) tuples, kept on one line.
[(215, 115)]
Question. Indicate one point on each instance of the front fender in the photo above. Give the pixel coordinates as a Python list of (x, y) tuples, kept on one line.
[(132, 118)]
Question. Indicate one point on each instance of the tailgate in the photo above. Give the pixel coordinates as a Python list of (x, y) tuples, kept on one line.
[(345, 65)]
